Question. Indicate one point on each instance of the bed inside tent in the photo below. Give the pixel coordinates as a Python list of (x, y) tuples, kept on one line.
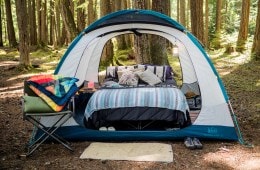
[(144, 101)]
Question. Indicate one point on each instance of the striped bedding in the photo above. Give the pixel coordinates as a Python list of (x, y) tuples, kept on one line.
[(160, 97)]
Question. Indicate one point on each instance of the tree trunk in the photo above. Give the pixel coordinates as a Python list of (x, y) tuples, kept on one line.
[(81, 15), (141, 43), (1, 29), (52, 22), (197, 25), (217, 39), (21, 13), (10, 25), (243, 29), (91, 14), (188, 26), (158, 44), (178, 10), (57, 24), (107, 54), (32, 22), (68, 19), (39, 11), (256, 43), (182, 13), (206, 24), (44, 28), (121, 43)]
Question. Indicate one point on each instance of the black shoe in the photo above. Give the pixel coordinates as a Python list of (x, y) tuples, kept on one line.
[(189, 143), (197, 143)]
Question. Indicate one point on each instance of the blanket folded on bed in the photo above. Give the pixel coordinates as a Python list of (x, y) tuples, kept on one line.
[(55, 90), (161, 97)]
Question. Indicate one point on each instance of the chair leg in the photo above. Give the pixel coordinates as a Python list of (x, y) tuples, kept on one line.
[(50, 132)]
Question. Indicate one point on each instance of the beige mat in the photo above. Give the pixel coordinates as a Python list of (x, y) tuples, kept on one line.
[(129, 151)]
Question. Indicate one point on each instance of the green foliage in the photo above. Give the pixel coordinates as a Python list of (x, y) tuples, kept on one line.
[(122, 57)]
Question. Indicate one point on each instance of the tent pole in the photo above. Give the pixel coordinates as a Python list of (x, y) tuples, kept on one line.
[(240, 137)]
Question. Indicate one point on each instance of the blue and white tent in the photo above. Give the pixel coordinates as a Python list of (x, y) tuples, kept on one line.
[(81, 60)]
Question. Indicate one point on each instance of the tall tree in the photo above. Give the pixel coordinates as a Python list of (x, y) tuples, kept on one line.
[(158, 43), (81, 15), (107, 55), (91, 12), (57, 25), (44, 27), (256, 43), (10, 25), (217, 39), (206, 30), (121, 42), (141, 43), (52, 23), (1, 30), (197, 25), (243, 29), (32, 22), (21, 13), (39, 21), (183, 13), (67, 17)]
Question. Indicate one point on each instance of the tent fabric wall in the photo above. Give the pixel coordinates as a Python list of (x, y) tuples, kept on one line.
[(83, 56)]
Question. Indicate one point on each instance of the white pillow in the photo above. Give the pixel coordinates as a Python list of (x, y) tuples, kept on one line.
[(149, 77)]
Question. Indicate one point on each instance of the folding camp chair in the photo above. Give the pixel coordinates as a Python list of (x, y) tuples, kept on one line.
[(33, 108)]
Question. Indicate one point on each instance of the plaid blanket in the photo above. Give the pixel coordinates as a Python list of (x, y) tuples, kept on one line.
[(55, 90), (161, 97)]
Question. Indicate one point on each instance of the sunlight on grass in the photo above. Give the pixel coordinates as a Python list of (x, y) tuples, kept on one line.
[(258, 83)]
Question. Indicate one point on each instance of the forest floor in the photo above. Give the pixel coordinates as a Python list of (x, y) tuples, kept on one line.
[(240, 75)]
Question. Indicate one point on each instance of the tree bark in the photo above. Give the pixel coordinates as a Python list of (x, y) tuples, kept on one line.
[(1, 26), (206, 24), (68, 19), (141, 43), (197, 25), (243, 29), (158, 44), (52, 23), (256, 42), (91, 13), (38, 7), (182, 13), (81, 15), (10, 25), (217, 39), (57, 25), (44, 28), (32, 22), (21, 12), (107, 55)]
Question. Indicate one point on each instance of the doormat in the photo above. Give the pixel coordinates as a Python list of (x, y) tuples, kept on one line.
[(156, 152)]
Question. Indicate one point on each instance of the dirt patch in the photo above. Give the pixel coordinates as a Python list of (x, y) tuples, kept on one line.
[(15, 132)]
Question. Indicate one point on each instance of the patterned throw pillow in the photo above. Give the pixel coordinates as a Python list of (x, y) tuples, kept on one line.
[(128, 78)]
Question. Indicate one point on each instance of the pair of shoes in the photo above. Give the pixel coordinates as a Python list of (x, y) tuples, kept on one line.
[(110, 128), (189, 143), (192, 143), (197, 143)]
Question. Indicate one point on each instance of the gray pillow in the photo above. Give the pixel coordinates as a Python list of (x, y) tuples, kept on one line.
[(149, 77)]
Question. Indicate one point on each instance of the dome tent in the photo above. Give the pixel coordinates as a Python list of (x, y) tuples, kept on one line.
[(82, 58)]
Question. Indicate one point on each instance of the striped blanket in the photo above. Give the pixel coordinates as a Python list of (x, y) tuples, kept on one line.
[(161, 97)]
